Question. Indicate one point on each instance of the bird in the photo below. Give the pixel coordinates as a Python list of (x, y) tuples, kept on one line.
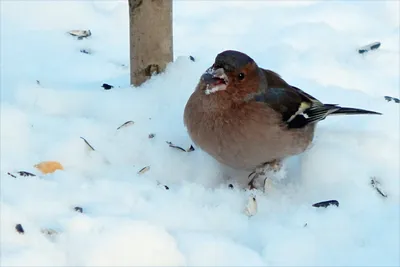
[(249, 118)]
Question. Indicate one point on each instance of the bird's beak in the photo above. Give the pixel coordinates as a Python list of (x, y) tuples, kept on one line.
[(215, 80)]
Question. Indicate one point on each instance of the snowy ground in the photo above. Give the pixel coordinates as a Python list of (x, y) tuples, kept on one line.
[(128, 218)]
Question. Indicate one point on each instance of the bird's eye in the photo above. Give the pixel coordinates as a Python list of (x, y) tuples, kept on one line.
[(241, 76)]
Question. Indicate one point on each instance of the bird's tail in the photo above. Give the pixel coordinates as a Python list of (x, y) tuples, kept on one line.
[(353, 111), (321, 111)]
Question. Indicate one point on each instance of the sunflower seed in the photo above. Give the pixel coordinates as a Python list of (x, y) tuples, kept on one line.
[(325, 204), (80, 33), (126, 124), (144, 169), (190, 149), (377, 185), (251, 207), (166, 187), (78, 209), (21, 173), (107, 86), (87, 143), (24, 173), (19, 229), (369, 47)]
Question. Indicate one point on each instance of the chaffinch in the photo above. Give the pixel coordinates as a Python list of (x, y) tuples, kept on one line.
[(247, 117)]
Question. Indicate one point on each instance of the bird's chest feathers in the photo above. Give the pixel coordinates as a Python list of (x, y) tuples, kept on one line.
[(228, 130)]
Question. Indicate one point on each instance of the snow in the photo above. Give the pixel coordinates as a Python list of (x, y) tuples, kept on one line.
[(131, 219)]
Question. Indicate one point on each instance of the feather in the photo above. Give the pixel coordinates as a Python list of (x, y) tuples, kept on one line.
[(297, 107)]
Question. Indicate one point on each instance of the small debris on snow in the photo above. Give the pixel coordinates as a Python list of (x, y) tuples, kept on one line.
[(144, 169), (107, 86), (78, 209), (86, 51), (305, 225), (88, 145), (126, 124), (230, 186), (37, 82), (389, 98), (90, 149), (151, 136), (12, 175), (190, 149), (192, 58), (377, 185), (24, 173), (251, 207), (49, 232), (19, 229), (80, 33), (369, 47), (267, 185), (21, 173), (325, 204), (163, 185)]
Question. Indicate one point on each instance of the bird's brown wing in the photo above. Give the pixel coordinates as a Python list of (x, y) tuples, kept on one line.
[(296, 106)]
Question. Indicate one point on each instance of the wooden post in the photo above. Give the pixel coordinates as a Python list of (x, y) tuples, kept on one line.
[(151, 48)]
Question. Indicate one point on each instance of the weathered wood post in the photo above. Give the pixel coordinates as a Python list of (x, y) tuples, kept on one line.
[(151, 47)]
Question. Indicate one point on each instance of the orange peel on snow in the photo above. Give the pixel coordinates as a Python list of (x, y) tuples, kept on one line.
[(49, 166)]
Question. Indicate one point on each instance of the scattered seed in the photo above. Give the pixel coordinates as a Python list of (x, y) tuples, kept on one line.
[(21, 173), (87, 143), (251, 208), (376, 184), (325, 204), (19, 229), (144, 169), (80, 33), (165, 186), (192, 58), (107, 86), (12, 175), (126, 124), (78, 209), (24, 173), (151, 136), (190, 149), (388, 98), (369, 47), (267, 185), (85, 51), (174, 146)]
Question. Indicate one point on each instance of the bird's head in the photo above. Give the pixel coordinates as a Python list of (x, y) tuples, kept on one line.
[(233, 75)]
